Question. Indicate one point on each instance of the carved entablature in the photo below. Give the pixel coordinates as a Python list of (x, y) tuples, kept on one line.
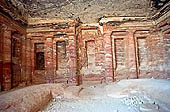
[(124, 20), (63, 25)]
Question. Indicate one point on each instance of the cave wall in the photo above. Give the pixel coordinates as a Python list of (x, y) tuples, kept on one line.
[(68, 51), (142, 54), (59, 40), (15, 67), (90, 54), (164, 28), (135, 48)]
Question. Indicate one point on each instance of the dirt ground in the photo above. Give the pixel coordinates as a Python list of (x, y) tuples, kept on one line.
[(139, 95)]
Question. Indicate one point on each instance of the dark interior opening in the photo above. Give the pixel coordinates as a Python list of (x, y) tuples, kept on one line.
[(40, 61), (39, 56)]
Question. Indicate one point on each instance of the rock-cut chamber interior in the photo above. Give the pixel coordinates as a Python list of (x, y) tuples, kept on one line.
[(74, 54)]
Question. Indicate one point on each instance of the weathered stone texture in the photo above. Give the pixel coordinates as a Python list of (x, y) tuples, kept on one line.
[(55, 50), (12, 60), (143, 56), (30, 99), (14, 10), (90, 52), (88, 11), (6, 59), (165, 29), (49, 73), (119, 52), (59, 52), (16, 60)]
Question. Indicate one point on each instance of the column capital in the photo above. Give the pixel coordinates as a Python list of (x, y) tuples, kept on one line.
[(131, 31)]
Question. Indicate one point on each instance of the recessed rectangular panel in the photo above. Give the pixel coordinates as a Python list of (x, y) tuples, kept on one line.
[(119, 53), (142, 51), (61, 55), (90, 49)]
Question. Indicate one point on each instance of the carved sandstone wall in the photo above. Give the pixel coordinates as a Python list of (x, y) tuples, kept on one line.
[(51, 50), (15, 62), (58, 39), (118, 48)]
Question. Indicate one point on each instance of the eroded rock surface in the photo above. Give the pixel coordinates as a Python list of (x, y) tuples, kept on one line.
[(88, 11)]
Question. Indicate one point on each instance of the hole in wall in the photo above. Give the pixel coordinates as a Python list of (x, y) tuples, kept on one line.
[(39, 56)]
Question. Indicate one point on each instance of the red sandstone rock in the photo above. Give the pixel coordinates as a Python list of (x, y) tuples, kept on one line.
[(29, 99)]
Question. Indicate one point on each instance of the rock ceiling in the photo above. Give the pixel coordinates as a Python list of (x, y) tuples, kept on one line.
[(87, 11)]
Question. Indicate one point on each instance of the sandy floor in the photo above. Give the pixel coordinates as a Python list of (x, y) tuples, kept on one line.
[(141, 95)]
